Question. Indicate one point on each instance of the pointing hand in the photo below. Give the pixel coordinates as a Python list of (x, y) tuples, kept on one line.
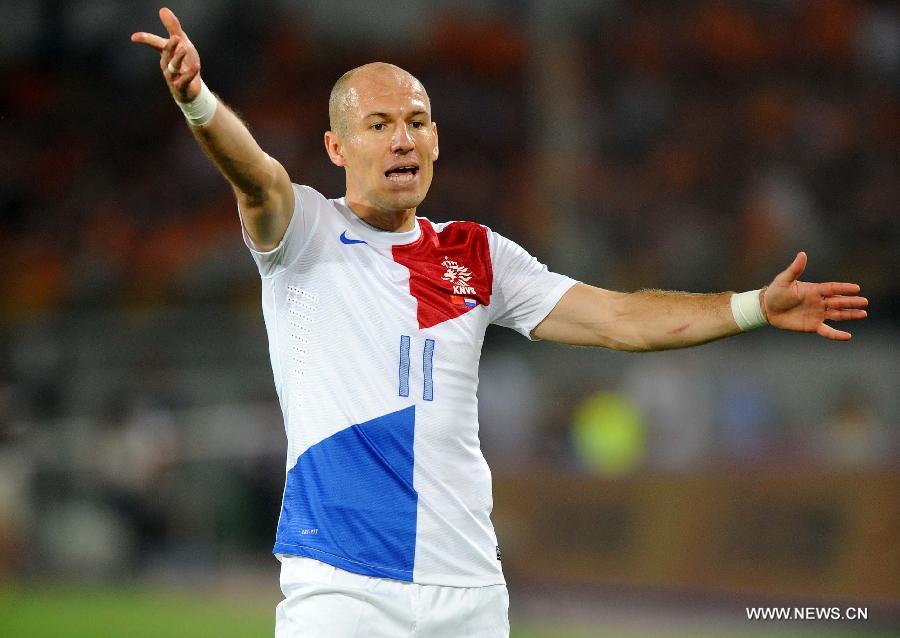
[(178, 57)]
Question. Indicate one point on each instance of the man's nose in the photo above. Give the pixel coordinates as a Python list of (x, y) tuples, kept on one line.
[(402, 141)]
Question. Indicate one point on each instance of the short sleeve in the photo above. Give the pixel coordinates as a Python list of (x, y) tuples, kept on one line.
[(307, 203), (524, 290)]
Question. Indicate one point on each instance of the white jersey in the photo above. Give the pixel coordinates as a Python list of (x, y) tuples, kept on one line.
[(375, 339)]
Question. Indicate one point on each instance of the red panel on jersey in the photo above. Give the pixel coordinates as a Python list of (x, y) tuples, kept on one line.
[(449, 272)]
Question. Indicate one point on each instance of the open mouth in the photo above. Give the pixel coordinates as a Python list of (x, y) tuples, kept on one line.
[(402, 174)]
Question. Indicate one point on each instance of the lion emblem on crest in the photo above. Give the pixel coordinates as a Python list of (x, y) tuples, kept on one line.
[(456, 274)]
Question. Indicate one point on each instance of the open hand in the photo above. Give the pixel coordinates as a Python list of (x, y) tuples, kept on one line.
[(790, 304), (178, 57)]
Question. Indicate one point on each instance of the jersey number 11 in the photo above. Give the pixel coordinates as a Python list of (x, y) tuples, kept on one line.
[(427, 356)]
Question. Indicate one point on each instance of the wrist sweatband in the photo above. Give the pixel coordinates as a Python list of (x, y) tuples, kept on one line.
[(747, 310), (202, 108)]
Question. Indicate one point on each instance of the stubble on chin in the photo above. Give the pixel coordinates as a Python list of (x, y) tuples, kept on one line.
[(402, 201)]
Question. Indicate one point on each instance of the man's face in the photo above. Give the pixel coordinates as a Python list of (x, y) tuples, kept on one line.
[(390, 144)]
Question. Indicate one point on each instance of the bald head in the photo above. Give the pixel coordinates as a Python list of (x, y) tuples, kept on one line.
[(345, 93)]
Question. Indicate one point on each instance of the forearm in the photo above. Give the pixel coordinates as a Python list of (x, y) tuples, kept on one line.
[(260, 184), (638, 321), (663, 320), (254, 176), (228, 143)]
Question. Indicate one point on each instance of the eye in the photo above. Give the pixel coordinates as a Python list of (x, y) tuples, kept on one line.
[(378, 126), (418, 124)]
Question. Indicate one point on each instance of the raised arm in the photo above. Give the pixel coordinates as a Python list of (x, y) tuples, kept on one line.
[(260, 183), (658, 320)]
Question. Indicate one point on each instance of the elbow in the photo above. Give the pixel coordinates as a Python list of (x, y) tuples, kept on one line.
[(631, 346), (257, 185), (618, 340), (620, 333), (251, 197)]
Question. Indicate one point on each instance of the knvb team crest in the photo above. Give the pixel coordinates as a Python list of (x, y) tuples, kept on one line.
[(459, 276), (450, 271)]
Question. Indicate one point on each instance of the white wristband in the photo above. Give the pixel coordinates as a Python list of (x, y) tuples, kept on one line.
[(747, 310), (201, 110)]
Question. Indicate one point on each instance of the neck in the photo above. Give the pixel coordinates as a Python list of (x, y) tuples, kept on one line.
[(399, 221)]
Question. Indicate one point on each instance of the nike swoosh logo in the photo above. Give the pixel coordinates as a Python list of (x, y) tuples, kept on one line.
[(346, 240)]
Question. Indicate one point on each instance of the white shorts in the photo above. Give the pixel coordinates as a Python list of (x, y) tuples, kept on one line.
[(321, 601)]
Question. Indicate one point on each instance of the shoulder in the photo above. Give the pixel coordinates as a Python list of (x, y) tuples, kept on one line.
[(466, 228), (313, 206), (310, 196), (452, 232), (473, 238), (465, 236), (455, 226)]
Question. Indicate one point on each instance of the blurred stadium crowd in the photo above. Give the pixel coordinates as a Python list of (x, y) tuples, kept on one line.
[(690, 145)]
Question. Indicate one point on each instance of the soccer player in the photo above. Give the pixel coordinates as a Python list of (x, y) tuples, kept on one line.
[(375, 319)]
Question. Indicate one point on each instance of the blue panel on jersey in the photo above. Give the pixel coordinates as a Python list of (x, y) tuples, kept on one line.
[(349, 501)]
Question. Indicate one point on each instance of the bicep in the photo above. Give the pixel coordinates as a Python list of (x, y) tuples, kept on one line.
[(588, 316), (267, 213)]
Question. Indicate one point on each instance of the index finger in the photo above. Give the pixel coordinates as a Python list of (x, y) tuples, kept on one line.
[(838, 288), (149, 39), (173, 26)]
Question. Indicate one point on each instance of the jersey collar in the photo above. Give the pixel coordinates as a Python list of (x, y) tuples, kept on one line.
[(359, 228)]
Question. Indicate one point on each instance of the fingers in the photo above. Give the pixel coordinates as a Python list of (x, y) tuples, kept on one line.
[(168, 53), (841, 309), (843, 303), (824, 330), (153, 41), (173, 26), (183, 79), (845, 315), (845, 308), (793, 272), (835, 288), (171, 43), (186, 66), (177, 59)]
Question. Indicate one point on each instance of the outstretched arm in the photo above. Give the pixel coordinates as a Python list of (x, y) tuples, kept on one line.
[(260, 183), (658, 320)]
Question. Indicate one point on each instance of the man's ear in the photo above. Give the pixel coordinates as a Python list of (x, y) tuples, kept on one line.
[(436, 151), (335, 148)]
